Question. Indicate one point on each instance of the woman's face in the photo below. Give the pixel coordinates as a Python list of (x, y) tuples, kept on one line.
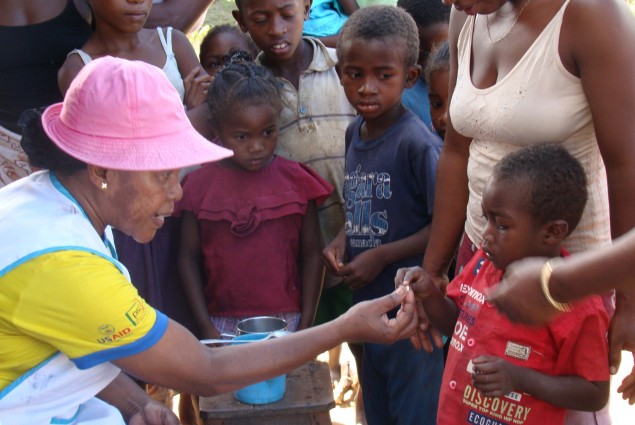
[(473, 7), (140, 201), (126, 16)]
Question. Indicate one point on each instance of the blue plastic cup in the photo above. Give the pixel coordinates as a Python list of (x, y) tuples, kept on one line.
[(262, 392)]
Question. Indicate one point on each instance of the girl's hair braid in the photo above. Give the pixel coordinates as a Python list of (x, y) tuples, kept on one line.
[(241, 82)]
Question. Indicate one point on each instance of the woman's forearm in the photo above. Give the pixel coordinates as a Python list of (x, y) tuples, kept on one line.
[(595, 271), (450, 204)]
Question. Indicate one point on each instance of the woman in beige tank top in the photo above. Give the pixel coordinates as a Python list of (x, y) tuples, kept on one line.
[(539, 71)]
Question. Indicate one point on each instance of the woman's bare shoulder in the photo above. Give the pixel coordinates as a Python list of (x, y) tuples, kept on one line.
[(594, 29), (599, 12)]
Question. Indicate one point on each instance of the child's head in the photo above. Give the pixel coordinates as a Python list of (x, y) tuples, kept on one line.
[(221, 41), (432, 18), (274, 25), (437, 75), (377, 54), (532, 201), (244, 109)]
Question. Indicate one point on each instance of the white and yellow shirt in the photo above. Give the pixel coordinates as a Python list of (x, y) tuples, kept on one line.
[(62, 289)]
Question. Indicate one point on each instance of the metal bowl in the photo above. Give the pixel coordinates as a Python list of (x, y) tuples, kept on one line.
[(261, 324)]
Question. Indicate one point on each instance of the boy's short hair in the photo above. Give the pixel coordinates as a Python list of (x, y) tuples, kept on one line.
[(239, 4), (558, 182), (426, 12), (438, 60), (382, 23)]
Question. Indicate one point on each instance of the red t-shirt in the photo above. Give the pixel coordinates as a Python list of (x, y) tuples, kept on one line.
[(574, 343), (250, 225)]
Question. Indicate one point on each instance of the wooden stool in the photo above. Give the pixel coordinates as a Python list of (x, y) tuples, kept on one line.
[(307, 401)]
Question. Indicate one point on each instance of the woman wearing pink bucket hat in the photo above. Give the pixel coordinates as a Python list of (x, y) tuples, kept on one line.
[(69, 315)]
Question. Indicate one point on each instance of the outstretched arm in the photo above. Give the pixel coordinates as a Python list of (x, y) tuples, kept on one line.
[(520, 297), (180, 361)]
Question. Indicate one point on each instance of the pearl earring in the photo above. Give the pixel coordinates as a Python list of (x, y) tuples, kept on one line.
[(104, 186)]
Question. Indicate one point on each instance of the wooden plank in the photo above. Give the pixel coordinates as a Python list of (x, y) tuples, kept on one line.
[(298, 419), (308, 396)]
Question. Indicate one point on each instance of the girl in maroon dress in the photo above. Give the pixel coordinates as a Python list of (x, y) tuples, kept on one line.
[(250, 240)]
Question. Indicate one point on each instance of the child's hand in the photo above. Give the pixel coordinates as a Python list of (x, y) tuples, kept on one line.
[(418, 279), (427, 336), (333, 257), (196, 84), (627, 388), (493, 376), (362, 270)]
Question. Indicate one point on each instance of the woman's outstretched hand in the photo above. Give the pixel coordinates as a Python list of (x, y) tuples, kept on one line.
[(368, 321), (519, 296)]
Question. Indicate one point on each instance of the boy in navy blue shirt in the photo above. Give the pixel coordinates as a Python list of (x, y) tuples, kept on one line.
[(390, 168)]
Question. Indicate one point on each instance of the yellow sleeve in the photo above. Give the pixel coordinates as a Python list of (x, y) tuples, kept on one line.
[(82, 305)]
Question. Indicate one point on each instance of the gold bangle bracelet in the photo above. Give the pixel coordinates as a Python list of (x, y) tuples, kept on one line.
[(545, 276)]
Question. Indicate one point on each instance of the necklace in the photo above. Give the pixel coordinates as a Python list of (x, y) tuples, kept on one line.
[(489, 36)]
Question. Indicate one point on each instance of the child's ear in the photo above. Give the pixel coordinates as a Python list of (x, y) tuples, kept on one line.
[(556, 231), (339, 72), (238, 16), (412, 75), (307, 9)]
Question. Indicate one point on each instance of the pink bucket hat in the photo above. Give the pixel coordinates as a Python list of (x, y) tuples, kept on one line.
[(126, 115)]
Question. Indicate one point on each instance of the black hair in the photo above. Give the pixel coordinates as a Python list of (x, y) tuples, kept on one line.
[(382, 23), (426, 12), (556, 182), (227, 28), (41, 150), (438, 60), (239, 4), (241, 82)]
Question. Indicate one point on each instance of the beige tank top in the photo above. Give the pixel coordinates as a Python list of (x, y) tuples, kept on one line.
[(539, 101)]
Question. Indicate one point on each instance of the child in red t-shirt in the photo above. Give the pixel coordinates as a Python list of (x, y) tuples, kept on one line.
[(499, 372)]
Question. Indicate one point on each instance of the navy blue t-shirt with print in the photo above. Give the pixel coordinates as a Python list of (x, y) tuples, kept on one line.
[(389, 192)]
